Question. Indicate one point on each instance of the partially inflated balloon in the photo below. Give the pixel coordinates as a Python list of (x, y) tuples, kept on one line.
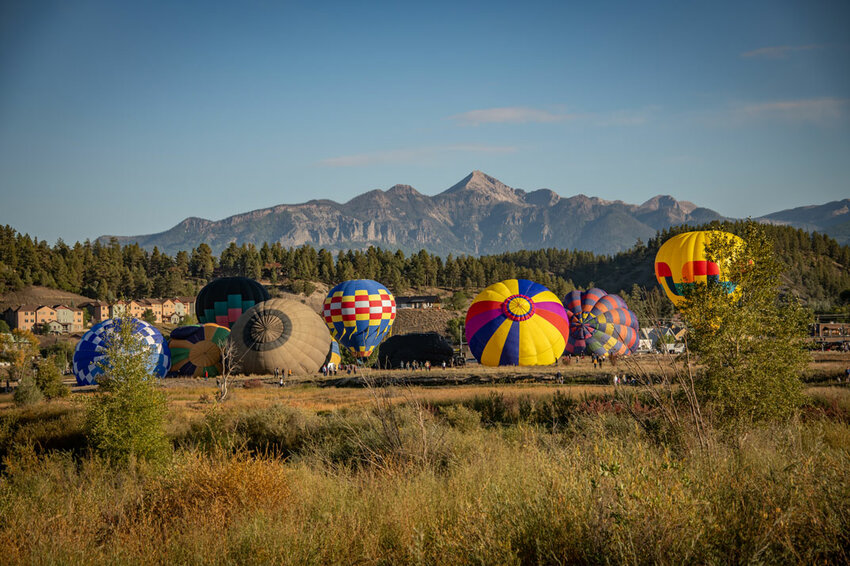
[(196, 349), (280, 334), (359, 314), (516, 322), (681, 263), (223, 301), (600, 323), (90, 354), (334, 355)]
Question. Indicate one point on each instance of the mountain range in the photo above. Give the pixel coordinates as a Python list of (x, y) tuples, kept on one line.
[(477, 216)]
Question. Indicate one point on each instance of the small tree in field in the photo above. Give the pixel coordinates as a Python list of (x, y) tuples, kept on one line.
[(230, 366), (126, 418), (18, 348), (48, 378), (750, 344)]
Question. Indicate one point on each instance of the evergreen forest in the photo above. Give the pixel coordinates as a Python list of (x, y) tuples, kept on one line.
[(816, 267)]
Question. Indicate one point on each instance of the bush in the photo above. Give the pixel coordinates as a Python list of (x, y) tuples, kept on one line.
[(277, 429), (493, 409), (461, 418), (558, 411), (750, 344), (27, 392), (127, 418), (49, 380)]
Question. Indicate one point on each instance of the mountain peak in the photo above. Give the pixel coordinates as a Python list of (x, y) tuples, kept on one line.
[(660, 201), (482, 184), (402, 190)]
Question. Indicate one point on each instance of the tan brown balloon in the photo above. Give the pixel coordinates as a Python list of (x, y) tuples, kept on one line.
[(281, 334)]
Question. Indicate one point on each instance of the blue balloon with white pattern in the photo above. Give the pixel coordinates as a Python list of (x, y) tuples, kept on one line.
[(90, 353)]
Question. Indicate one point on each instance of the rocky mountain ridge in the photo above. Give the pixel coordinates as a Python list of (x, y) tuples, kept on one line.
[(476, 216)]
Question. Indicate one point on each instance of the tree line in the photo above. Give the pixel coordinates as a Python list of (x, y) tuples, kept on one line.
[(815, 267)]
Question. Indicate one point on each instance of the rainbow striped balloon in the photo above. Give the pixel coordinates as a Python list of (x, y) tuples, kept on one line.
[(516, 322), (600, 323)]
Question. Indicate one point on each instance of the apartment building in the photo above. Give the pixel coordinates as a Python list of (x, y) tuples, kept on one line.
[(58, 318)]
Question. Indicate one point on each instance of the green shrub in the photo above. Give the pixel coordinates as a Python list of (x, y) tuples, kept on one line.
[(750, 345), (492, 408), (27, 391), (558, 411), (461, 418), (49, 379), (127, 417), (277, 429)]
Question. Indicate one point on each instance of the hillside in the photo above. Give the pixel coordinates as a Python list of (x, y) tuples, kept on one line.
[(832, 218), (422, 320), (38, 295)]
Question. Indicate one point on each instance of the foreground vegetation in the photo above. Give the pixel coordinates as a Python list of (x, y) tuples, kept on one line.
[(513, 474)]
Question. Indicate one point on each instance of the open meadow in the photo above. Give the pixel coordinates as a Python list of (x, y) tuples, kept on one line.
[(503, 467)]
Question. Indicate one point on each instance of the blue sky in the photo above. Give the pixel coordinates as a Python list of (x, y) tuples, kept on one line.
[(126, 117)]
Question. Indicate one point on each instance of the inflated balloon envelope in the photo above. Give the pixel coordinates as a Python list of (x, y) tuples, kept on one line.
[(334, 354), (681, 263), (280, 334), (516, 322), (600, 323), (222, 301), (196, 349), (359, 314), (90, 355)]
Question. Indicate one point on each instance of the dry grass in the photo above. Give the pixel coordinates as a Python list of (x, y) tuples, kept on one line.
[(600, 492)]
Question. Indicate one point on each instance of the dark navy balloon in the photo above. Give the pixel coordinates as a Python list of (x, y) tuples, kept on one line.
[(223, 301), (90, 353)]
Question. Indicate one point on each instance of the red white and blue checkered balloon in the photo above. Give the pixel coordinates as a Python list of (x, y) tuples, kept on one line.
[(90, 354), (359, 314)]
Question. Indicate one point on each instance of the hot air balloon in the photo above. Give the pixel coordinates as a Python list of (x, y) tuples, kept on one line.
[(600, 323), (282, 334), (334, 355), (223, 301), (196, 349), (681, 263), (359, 314), (90, 353), (516, 322)]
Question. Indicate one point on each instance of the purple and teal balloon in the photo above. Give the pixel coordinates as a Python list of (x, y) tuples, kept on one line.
[(600, 324)]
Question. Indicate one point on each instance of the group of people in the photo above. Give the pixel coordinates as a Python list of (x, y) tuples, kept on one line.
[(595, 359), (415, 365), (279, 375), (624, 380), (330, 368)]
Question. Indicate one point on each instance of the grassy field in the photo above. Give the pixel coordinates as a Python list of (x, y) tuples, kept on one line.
[(529, 472)]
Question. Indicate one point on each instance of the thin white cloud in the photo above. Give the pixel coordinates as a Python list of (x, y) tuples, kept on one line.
[(510, 115), (821, 111), (777, 51), (410, 155)]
